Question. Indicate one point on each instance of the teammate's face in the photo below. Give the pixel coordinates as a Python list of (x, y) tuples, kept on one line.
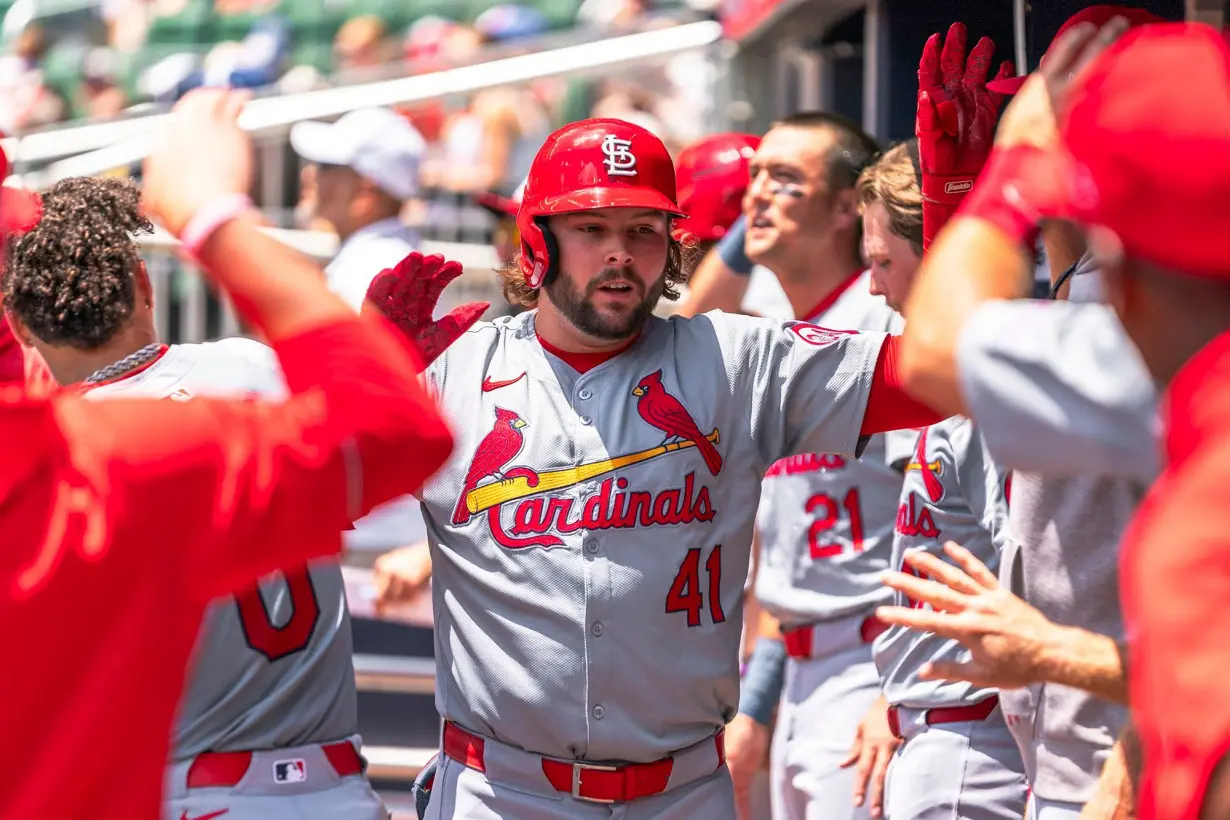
[(892, 259), (612, 269), (791, 211), (333, 190)]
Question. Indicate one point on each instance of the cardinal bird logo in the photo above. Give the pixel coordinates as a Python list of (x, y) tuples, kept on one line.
[(497, 448), (662, 410), (931, 471)]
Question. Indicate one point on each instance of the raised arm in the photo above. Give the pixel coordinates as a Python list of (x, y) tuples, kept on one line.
[(243, 488), (985, 253)]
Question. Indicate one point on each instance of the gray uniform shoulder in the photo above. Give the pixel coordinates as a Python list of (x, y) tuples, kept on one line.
[(258, 363), (1059, 388), (477, 342)]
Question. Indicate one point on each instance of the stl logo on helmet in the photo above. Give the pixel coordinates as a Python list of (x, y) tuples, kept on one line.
[(620, 161), (539, 503)]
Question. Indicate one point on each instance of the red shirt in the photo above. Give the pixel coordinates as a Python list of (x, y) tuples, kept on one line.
[(1175, 582), (11, 359), (123, 519)]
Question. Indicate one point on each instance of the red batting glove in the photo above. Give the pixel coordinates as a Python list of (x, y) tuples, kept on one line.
[(956, 122), (407, 295)]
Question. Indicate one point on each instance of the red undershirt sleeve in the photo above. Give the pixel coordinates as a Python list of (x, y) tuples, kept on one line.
[(889, 407)]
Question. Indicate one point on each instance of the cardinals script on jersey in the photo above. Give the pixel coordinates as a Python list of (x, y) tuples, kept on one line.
[(584, 511)]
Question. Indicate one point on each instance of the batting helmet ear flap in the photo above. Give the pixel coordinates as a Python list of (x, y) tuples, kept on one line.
[(539, 252), (553, 254)]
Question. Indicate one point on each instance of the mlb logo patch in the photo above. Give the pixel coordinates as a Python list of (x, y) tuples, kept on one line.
[(289, 771)]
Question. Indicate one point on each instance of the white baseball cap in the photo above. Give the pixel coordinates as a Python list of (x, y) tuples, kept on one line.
[(376, 143)]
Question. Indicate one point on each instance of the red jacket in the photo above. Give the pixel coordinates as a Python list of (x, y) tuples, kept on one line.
[(122, 519)]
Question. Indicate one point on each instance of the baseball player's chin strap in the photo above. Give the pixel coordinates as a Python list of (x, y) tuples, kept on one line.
[(1063, 277)]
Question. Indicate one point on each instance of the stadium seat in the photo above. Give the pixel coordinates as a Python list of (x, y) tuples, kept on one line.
[(470, 9), (63, 70), (559, 13), (232, 27), (317, 55), (189, 27), (448, 9)]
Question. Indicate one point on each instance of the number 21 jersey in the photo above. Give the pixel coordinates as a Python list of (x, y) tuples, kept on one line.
[(825, 521), (272, 667)]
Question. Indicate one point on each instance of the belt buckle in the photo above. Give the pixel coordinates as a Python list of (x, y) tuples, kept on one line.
[(577, 767)]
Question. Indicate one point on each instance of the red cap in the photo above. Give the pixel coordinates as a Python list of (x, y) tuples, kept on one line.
[(499, 204), (1148, 130), (712, 176), (592, 164), (19, 209), (1098, 15)]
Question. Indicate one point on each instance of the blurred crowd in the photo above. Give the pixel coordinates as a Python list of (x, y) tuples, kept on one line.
[(101, 58)]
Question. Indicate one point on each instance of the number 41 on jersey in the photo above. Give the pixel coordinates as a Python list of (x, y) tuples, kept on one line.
[(688, 591)]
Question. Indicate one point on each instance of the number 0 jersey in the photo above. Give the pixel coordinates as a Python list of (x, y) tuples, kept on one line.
[(825, 521), (272, 667)]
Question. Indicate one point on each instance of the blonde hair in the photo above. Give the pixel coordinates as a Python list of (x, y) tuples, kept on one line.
[(892, 182)]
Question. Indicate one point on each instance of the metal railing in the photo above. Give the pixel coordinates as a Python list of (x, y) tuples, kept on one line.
[(390, 673), (188, 310), (93, 149)]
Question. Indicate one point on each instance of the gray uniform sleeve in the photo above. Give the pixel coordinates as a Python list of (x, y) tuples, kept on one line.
[(980, 480), (1058, 388), (808, 386)]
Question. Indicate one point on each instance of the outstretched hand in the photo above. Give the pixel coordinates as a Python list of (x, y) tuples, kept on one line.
[(407, 295), (873, 749), (1006, 637), (956, 110)]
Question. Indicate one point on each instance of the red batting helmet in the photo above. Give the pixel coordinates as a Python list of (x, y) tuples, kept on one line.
[(1099, 15), (590, 164), (712, 175)]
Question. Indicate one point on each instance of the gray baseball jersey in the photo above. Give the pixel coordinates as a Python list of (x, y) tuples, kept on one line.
[(952, 491), (825, 521), (1065, 394), (272, 667), (591, 536)]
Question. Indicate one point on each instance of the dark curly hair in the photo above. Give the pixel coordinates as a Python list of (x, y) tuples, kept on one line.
[(70, 279)]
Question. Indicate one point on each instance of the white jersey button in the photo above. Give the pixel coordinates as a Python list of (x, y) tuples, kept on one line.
[(599, 712), (585, 393), (586, 420), (591, 546), (597, 629)]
